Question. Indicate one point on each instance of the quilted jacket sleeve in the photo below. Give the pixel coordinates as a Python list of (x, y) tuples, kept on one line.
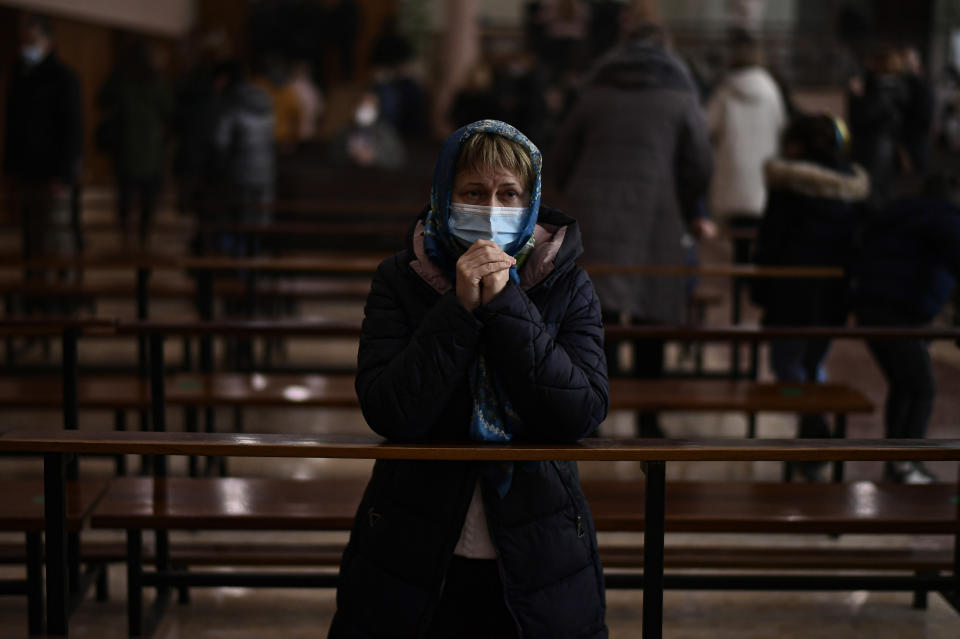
[(406, 373), (558, 385)]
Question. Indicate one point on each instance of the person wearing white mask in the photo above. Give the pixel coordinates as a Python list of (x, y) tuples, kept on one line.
[(370, 141), (484, 329), (43, 141)]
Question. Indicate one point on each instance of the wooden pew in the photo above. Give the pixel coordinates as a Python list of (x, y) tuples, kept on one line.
[(865, 503), (22, 510), (239, 390)]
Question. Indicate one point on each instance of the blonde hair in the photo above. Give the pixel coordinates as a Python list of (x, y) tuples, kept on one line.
[(484, 152)]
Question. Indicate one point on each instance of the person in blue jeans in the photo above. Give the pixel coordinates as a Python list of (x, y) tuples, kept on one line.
[(906, 266), (813, 192)]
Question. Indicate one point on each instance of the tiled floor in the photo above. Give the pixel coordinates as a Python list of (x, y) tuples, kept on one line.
[(244, 613)]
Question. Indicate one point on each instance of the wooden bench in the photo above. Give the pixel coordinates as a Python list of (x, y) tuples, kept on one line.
[(313, 289), (654, 453), (239, 390), (141, 504), (22, 510)]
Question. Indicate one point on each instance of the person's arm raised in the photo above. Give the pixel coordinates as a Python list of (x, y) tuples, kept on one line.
[(407, 372), (557, 385)]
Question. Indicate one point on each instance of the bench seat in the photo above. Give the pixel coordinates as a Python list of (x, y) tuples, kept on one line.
[(141, 504), (21, 504), (865, 507), (337, 391), (326, 289), (619, 556)]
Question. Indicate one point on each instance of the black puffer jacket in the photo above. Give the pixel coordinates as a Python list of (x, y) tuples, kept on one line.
[(546, 345)]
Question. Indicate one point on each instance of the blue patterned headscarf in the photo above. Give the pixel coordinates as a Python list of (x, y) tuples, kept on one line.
[(440, 245), (493, 418)]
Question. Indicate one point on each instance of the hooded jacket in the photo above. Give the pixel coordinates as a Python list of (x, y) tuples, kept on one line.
[(809, 221), (244, 137), (544, 338), (746, 116), (631, 163)]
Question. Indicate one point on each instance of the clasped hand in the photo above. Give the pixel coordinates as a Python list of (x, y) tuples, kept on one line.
[(482, 273)]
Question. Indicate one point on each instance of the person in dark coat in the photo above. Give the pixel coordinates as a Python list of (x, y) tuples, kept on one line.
[(814, 192), (483, 329), (138, 103), (632, 162), (877, 103), (918, 112), (43, 142), (906, 265)]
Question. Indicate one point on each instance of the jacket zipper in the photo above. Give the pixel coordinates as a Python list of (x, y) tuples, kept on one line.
[(579, 515)]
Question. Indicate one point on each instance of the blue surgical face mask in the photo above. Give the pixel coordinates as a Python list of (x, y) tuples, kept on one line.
[(500, 224), (32, 54)]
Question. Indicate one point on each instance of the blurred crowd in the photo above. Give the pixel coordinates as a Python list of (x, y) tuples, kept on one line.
[(648, 151)]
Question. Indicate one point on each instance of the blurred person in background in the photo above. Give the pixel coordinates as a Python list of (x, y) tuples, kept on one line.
[(918, 112), (138, 105), (604, 26), (43, 143), (876, 104), (402, 100), (564, 41), (244, 141), (195, 115), (632, 163), (746, 117), (309, 98), (369, 141), (905, 267), (520, 86), (274, 81), (814, 192), (476, 100)]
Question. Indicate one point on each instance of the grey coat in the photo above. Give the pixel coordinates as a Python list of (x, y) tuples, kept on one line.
[(631, 163), (244, 137)]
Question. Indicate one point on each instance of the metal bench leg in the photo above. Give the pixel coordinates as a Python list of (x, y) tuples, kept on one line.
[(210, 426), (9, 312), (55, 512), (120, 424), (146, 461), (103, 584), (34, 583), (920, 595), (839, 432), (653, 550), (183, 591), (73, 562), (190, 425), (162, 549), (135, 583)]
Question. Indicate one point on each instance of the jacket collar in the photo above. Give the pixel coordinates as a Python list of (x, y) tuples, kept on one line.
[(815, 180)]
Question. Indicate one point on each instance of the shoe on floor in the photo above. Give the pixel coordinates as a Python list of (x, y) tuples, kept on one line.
[(908, 472)]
